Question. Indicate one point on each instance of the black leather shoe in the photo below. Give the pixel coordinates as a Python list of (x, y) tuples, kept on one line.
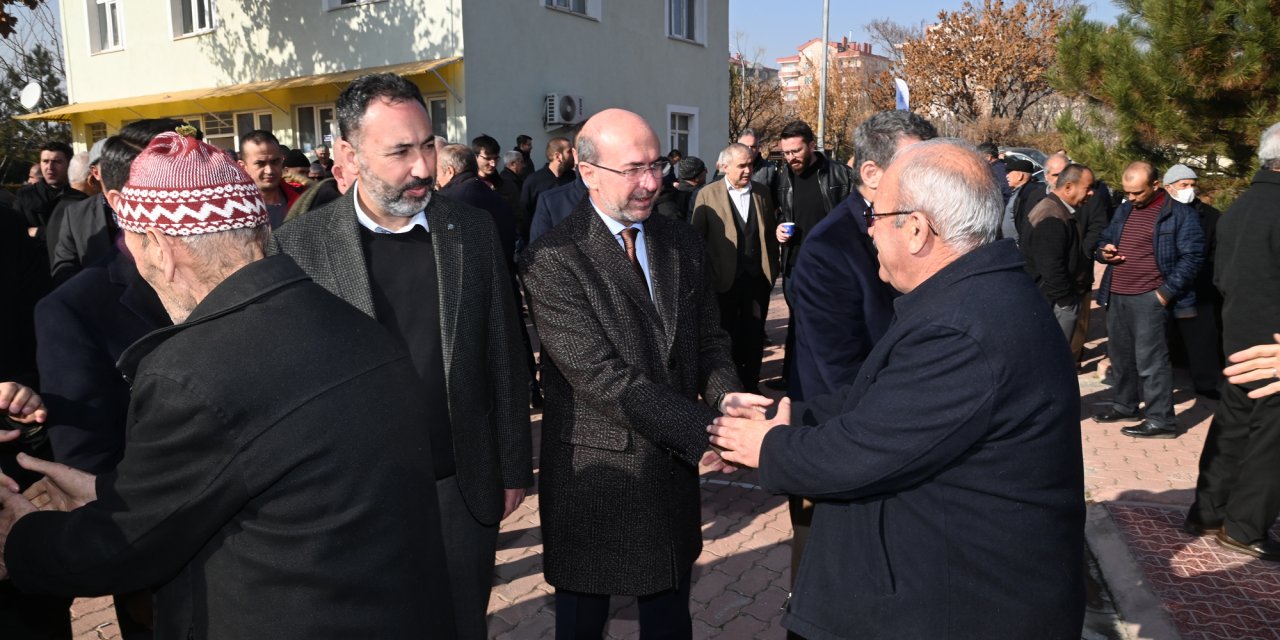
[(1149, 430), (1197, 528), (1112, 415), (1266, 549)]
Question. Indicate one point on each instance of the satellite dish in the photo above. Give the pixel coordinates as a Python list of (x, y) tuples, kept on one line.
[(30, 96)]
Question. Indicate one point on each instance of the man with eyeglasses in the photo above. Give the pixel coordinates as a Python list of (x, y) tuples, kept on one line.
[(955, 452), (487, 153), (1153, 249), (634, 367), (805, 191)]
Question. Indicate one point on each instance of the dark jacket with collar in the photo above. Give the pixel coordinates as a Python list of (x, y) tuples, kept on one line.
[(277, 481), (556, 205), (835, 181), (1179, 250), (952, 463), (1247, 270), (467, 188), (839, 304), (1051, 244), (484, 369), (82, 329), (80, 237), (623, 428)]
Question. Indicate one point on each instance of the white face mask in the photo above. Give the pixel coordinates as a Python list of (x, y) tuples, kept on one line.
[(1185, 196)]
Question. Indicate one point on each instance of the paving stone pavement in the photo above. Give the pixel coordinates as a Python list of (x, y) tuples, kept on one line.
[(741, 579)]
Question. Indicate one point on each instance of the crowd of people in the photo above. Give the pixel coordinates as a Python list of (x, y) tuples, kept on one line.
[(277, 395)]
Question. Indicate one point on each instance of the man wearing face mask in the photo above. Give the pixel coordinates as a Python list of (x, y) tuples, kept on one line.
[(1202, 334)]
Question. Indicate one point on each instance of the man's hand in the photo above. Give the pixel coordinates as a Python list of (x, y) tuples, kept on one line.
[(12, 508), (1256, 363), (1110, 254), (740, 438), (711, 461), (62, 488), (513, 499), (744, 405), (781, 234), (21, 403)]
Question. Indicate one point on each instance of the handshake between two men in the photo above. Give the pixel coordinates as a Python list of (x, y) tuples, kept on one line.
[(738, 434)]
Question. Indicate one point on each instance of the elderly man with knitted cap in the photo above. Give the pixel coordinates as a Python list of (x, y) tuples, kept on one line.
[(237, 500)]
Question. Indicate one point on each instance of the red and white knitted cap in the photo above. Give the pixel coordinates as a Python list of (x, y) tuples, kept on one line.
[(184, 187)]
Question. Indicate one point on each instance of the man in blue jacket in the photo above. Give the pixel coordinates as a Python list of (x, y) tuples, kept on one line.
[(1153, 248), (948, 476)]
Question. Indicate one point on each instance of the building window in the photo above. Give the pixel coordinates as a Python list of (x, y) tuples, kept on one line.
[(191, 17), (314, 126), (338, 4), (247, 121), (95, 131), (439, 116), (584, 8), (105, 28), (682, 129), (685, 18), (218, 128)]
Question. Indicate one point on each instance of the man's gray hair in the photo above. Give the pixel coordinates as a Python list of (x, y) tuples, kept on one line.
[(964, 206), (511, 156), (221, 252), (876, 139), (747, 132), (728, 152), (586, 149), (458, 157), (78, 168), (1269, 147)]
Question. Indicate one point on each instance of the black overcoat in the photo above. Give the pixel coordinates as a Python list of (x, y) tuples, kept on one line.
[(623, 427), (276, 481)]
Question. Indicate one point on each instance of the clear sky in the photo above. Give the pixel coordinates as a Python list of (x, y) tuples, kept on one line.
[(779, 26)]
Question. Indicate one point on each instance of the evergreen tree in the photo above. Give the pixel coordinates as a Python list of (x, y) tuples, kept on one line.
[(19, 138), (1192, 81)]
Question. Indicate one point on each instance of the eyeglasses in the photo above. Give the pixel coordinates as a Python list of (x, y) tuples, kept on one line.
[(657, 168), (870, 216)]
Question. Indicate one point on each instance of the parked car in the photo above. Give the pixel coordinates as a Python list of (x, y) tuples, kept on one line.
[(1035, 156)]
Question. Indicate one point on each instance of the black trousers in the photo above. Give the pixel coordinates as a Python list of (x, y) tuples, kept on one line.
[(27, 617), (469, 548), (743, 309), (1239, 485), (663, 615), (1202, 340)]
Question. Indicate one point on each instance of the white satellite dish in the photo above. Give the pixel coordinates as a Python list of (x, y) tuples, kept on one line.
[(30, 96)]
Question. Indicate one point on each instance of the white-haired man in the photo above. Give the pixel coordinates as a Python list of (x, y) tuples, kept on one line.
[(238, 475), (955, 453)]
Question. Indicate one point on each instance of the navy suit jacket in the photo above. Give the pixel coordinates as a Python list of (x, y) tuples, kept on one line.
[(839, 304), (82, 328), (555, 205)]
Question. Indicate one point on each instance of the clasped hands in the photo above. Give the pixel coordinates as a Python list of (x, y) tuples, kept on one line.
[(61, 489), (736, 435)]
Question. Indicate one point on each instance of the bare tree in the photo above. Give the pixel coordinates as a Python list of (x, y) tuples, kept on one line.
[(755, 98)]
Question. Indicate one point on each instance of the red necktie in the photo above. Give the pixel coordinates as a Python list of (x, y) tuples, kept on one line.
[(629, 242)]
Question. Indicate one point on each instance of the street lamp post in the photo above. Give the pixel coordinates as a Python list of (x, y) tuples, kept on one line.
[(822, 80)]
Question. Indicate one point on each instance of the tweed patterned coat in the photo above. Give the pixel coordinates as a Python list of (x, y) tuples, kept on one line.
[(483, 354), (623, 427)]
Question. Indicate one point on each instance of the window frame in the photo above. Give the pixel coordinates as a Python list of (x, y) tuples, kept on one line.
[(175, 15), (691, 132), (316, 107), (94, 26), (591, 8), (696, 35)]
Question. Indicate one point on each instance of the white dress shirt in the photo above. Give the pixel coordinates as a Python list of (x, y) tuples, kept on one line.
[(741, 199), (419, 219), (642, 250)]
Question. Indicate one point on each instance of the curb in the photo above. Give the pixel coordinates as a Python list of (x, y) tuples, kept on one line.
[(1142, 615)]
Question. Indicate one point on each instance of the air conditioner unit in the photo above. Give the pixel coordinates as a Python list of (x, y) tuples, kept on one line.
[(563, 109)]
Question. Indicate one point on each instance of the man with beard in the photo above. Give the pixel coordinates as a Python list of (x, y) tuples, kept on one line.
[(431, 270), (805, 191), (276, 481)]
